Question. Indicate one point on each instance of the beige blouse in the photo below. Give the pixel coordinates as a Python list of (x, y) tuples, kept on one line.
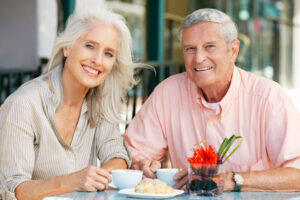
[(31, 147)]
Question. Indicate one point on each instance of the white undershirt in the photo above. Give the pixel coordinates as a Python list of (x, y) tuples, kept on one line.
[(214, 106)]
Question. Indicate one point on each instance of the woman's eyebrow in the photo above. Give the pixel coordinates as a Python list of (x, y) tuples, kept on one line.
[(97, 43)]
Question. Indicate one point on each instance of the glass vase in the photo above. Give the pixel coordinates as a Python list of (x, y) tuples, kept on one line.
[(206, 179)]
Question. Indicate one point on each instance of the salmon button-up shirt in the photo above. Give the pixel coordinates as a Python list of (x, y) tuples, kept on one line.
[(176, 116)]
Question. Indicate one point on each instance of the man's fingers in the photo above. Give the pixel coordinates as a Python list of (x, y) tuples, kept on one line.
[(180, 175), (148, 173), (155, 165), (145, 167), (135, 166), (182, 182)]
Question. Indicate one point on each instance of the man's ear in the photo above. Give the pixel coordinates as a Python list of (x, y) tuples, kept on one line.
[(66, 51), (234, 47)]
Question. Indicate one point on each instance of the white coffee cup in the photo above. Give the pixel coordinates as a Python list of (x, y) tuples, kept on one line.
[(166, 175), (125, 178)]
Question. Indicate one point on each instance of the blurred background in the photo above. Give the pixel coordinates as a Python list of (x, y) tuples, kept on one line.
[(269, 31)]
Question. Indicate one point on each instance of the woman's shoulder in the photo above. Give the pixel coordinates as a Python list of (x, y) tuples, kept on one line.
[(28, 93)]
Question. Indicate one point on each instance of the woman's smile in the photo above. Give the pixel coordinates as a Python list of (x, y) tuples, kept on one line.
[(91, 70)]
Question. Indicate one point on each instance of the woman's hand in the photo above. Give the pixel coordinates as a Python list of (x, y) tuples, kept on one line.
[(90, 179)]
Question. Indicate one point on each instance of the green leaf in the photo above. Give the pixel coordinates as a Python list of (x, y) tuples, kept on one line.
[(223, 145), (237, 137), (226, 144)]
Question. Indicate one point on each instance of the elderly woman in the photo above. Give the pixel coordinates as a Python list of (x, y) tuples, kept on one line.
[(53, 128)]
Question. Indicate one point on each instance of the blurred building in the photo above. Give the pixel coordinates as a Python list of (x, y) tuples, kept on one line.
[(269, 32)]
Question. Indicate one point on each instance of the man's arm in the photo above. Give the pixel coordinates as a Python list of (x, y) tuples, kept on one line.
[(285, 179), (145, 135)]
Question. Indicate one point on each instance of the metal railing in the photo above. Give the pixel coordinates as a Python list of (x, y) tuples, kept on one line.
[(148, 81), (11, 79)]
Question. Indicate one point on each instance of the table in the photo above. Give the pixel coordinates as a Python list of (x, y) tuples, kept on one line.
[(113, 195)]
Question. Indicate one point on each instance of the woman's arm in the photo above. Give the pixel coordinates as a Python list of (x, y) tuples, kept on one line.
[(111, 148), (89, 179), (115, 163)]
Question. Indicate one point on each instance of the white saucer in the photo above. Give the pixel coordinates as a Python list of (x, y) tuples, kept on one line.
[(131, 193)]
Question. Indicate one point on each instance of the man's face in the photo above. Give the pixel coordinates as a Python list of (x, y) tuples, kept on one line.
[(208, 61)]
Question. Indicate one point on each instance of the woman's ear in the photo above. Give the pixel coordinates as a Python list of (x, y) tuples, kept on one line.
[(66, 51)]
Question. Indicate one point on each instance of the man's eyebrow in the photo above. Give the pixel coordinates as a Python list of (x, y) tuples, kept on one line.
[(211, 42), (187, 45)]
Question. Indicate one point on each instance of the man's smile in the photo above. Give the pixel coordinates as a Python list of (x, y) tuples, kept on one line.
[(202, 69)]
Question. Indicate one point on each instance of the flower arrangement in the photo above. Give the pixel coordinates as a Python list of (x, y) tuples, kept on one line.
[(206, 167), (209, 156)]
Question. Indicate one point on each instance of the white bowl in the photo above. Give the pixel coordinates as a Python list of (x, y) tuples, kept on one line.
[(125, 178), (166, 175)]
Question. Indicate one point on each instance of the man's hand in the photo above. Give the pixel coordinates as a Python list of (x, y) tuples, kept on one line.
[(181, 178), (148, 167)]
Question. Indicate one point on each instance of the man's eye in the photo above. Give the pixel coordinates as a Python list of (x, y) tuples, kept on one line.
[(190, 50), (90, 46), (210, 46), (109, 54)]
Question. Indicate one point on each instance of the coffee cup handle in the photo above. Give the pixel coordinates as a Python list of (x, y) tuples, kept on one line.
[(112, 185)]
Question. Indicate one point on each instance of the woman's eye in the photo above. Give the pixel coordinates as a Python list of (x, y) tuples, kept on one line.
[(90, 46), (109, 54)]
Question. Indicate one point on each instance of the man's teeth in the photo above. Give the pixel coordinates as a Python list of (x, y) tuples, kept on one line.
[(202, 69), (90, 70)]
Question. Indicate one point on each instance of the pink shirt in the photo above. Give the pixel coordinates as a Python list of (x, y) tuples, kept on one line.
[(176, 116)]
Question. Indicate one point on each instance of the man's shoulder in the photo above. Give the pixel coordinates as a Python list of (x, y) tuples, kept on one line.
[(176, 82), (259, 86)]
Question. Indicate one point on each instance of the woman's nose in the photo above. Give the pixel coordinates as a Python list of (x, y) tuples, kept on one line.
[(97, 58)]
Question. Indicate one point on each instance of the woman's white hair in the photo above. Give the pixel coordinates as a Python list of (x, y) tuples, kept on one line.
[(228, 28), (104, 101)]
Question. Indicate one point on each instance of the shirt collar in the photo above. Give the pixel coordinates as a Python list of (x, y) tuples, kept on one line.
[(55, 76), (227, 99)]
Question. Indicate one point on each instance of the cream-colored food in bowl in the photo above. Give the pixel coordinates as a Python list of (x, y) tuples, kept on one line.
[(153, 186)]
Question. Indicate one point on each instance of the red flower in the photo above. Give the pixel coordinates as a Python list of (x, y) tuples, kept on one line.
[(204, 156)]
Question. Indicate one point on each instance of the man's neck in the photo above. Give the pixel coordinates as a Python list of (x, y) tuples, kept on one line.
[(215, 94)]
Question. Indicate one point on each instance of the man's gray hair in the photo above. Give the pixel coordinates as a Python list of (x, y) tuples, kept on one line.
[(228, 28)]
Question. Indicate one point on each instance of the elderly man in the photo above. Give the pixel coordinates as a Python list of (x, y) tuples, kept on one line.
[(212, 100)]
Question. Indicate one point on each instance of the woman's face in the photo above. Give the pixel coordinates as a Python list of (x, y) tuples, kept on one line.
[(90, 59)]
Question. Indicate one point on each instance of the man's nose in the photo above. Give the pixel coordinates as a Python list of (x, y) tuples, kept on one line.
[(200, 56)]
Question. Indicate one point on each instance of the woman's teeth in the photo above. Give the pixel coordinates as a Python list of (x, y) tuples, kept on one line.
[(202, 69), (92, 71)]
